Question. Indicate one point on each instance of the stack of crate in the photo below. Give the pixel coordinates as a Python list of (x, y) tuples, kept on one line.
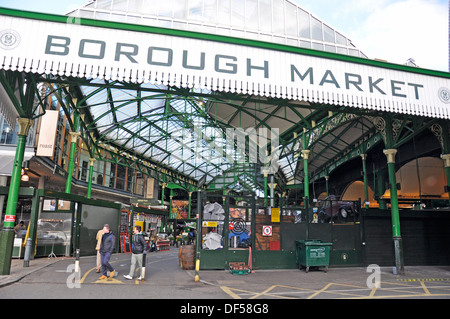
[(239, 268)]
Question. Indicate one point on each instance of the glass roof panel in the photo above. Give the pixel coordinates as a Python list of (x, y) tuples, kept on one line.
[(255, 19), (187, 132)]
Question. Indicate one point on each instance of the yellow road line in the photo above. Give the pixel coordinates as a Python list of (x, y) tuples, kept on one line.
[(320, 291), (231, 293), (427, 292)]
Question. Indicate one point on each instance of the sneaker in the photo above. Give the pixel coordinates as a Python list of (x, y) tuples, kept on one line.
[(127, 277), (103, 277), (139, 278), (111, 274)]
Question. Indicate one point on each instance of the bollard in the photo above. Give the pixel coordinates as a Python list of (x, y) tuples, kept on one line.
[(26, 259), (77, 261), (144, 259)]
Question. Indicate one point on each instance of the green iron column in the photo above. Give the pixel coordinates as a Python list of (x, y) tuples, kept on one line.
[(73, 144), (170, 202), (163, 187), (396, 234), (366, 190), (326, 185), (305, 155), (91, 173), (190, 204), (198, 236), (266, 175), (7, 233)]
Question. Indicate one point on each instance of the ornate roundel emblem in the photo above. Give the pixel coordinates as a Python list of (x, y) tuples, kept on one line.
[(444, 95), (9, 39)]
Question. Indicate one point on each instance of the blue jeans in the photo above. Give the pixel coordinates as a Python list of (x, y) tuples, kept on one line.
[(105, 262)]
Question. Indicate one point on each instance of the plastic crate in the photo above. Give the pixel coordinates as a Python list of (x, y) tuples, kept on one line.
[(239, 268)]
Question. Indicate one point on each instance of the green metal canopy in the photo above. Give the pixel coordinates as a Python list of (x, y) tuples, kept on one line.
[(181, 133)]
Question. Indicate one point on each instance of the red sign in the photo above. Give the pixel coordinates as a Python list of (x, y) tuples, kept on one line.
[(267, 231), (10, 218)]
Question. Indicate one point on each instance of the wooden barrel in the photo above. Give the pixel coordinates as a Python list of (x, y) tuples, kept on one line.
[(187, 260)]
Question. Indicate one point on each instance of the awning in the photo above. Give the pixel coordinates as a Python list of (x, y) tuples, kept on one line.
[(143, 54)]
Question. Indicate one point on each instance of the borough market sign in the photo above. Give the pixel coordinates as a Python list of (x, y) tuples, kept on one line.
[(140, 54)]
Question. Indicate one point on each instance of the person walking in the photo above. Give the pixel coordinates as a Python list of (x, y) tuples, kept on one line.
[(97, 247), (107, 247), (138, 251)]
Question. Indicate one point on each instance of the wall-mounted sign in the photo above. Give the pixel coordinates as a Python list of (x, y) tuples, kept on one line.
[(47, 134), (267, 231), (275, 215)]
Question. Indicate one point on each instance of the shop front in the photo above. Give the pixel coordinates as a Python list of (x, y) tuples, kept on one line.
[(153, 223), (60, 223)]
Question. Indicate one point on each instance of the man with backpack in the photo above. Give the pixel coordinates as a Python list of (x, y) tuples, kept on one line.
[(138, 250)]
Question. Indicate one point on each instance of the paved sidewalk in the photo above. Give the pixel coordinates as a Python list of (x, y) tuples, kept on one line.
[(18, 271), (418, 282)]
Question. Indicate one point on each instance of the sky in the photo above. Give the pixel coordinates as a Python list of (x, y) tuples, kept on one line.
[(392, 30)]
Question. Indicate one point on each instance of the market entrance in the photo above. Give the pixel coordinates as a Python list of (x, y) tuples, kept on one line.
[(203, 125), (236, 229)]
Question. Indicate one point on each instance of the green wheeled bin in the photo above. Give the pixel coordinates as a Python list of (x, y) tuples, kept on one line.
[(312, 253)]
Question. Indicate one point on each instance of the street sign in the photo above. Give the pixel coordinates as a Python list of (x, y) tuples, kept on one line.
[(267, 231)]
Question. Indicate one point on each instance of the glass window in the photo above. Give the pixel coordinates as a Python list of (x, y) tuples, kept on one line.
[(317, 46), (342, 50), (210, 10), (278, 17), (180, 10), (140, 178), (112, 174), (304, 29), (134, 6), (328, 34), (251, 14), (103, 4), (166, 8), (87, 14), (148, 7), (54, 231), (316, 29), (340, 39), (238, 13), (330, 48), (120, 5), (83, 172), (265, 16), (102, 16), (130, 180), (224, 12), (121, 173), (195, 10), (291, 19), (7, 132)]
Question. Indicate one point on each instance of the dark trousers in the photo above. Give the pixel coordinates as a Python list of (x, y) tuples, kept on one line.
[(105, 262)]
